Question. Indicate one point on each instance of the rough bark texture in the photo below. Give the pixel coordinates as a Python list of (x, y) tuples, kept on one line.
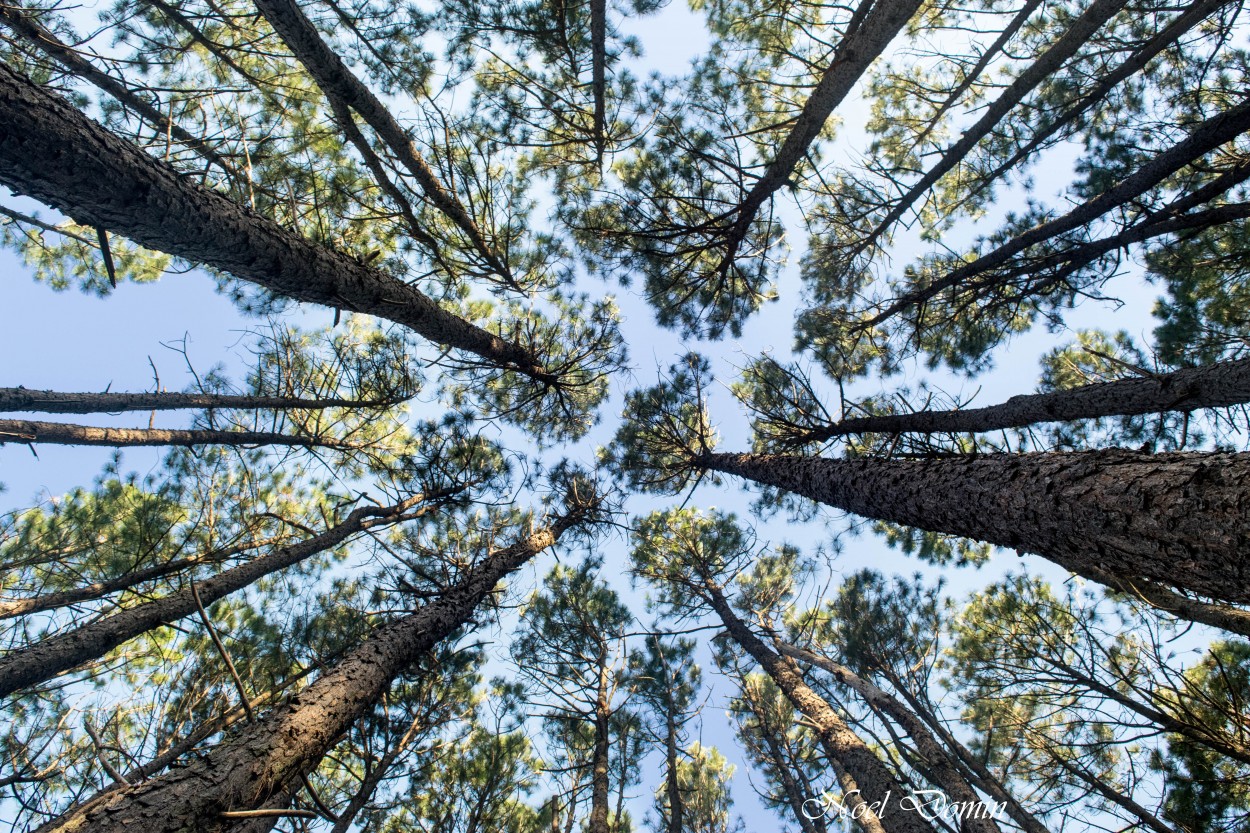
[(1213, 386), (53, 655), (939, 765), (1180, 519), (672, 784), (874, 781), (53, 153), (34, 33), (59, 433), (598, 72), (272, 754), (62, 402)]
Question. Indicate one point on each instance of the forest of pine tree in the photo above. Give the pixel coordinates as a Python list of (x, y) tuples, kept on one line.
[(720, 416)]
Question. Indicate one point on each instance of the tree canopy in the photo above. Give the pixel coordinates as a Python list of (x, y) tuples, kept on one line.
[(628, 415)]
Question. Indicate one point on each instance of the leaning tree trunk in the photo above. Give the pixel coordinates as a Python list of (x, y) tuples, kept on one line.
[(1213, 386), (875, 783), (1180, 519), (51, 656), (270, 756), (795, 795), (939, 763), (53, 153)]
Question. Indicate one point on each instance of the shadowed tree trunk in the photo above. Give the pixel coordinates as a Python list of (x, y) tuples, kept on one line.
[(1227, 618), (53, 153), (599, 764), (1180, 519), (876, 784), (269, 756), (1212, 386), (940, 765), (45, 659)]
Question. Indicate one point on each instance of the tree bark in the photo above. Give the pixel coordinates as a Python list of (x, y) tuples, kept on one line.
[(599, 787), (45, 659), (1219, 385), (598, 72), (939, 764), (672, 784), (61, 402), (1191, 17), (1180, 519), (53, 153), (876, 784), (1232, 619), (59, 433), (794, 794), (273, 753), (874, 25)]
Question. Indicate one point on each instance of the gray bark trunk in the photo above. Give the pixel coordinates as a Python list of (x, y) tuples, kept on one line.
[(938, 763), (671, 783), (45, 659), (59, 433), (1180, 519), (273, 753), (876, 784), (53, 153), (1219, 385), (61, 402)]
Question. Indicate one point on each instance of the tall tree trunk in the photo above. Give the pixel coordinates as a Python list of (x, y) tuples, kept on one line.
[(599, 786), (939, 764), (62, 402), (875, 783), (795, 794), (337, 82), (45, 659), (1046, 64), (59, 433), (271, 755), (1195, 14), (1180, 519), (976, 769), (1212, 386), (872, 27), (53, 153), (1232, 619), (598, 73), (672, 785)]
